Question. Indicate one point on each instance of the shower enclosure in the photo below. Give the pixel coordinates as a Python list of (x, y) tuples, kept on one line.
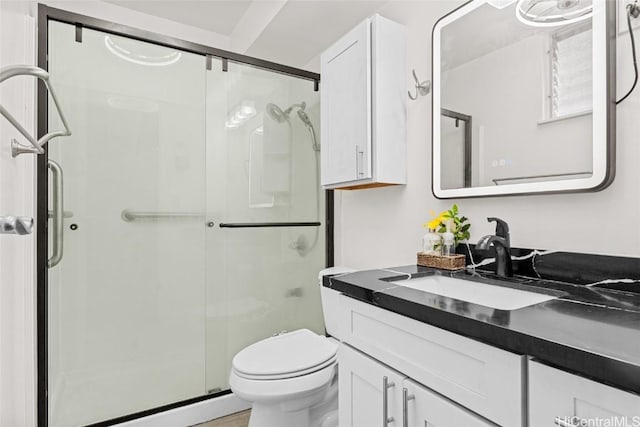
[(184, 217)]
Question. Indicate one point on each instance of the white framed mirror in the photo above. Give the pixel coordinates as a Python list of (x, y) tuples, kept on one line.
[(523, 98)]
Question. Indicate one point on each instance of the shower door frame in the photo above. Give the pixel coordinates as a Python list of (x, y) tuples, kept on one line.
[(46, 14)]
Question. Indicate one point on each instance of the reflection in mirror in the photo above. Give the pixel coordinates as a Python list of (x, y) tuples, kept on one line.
[(516, 99)]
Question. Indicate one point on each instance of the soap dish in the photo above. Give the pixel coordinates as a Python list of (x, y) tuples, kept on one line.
[(455, 262)]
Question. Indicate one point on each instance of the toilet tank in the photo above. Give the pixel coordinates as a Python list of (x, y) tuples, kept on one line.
[(330, 301)]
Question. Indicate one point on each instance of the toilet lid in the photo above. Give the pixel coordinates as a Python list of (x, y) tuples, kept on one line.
[(285, 354)]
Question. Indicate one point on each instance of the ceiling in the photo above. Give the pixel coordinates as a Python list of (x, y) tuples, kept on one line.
[(218, 16), (291, 32)]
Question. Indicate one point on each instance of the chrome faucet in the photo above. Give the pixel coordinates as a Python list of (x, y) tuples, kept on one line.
[(501, 242)]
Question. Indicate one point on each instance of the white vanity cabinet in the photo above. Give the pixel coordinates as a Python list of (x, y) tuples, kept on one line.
[(484, 379), (372, 394), (363, 108), (558, 398), (368, 390)]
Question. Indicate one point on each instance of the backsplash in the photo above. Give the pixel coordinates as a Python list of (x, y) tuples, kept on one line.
[(612, 272)]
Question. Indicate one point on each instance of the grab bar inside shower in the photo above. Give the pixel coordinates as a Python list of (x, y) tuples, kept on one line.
[(130, 215), (37, 145)]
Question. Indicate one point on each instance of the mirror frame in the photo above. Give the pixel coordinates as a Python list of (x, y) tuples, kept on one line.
[(604, 112)]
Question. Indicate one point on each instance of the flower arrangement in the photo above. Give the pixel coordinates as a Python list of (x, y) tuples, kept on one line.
[(450, 218)]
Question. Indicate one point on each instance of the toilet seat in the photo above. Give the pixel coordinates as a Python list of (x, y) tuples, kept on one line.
[(282, 389), (287, 375), (285, 356)]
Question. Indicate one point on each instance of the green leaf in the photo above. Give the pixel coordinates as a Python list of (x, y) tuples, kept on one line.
[(454, 208)]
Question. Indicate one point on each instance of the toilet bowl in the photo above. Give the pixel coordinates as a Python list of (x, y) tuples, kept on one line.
[(292, 378)]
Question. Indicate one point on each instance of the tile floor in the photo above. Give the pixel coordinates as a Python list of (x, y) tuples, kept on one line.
[(241, 419)]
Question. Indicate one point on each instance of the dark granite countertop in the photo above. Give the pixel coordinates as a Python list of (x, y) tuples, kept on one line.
[(587, 330)]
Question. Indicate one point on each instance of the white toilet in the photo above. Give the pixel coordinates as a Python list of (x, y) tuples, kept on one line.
[(292, 379)]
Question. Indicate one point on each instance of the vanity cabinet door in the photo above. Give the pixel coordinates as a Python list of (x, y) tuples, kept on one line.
[(558, 398), (363, 398), (425, 408), (346, 107)]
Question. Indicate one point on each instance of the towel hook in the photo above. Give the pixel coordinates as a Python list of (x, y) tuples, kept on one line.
[(422, 88)]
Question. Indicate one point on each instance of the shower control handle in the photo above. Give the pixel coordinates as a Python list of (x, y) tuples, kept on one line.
[(57, 214)]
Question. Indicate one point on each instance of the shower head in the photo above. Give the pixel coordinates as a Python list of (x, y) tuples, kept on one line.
[(276, 113), (304, 117), (280, 116)]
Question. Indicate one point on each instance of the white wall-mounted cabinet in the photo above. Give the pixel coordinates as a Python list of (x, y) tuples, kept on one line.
[(363, 108), (558, 398)]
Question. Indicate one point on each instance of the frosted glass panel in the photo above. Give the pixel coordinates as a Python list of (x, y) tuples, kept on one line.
[(126, 318), (260, 280)]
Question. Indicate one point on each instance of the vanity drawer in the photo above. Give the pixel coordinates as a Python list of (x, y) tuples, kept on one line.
[(479, 377), (558, 398)]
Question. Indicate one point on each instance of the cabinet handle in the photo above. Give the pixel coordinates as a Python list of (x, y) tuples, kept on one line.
[(568, 422), (405, 407), (386, 385), (359, 161)]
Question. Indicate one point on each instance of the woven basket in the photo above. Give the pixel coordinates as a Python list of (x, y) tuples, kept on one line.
[(455, 262)]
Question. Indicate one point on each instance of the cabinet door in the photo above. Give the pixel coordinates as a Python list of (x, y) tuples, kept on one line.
[(362, 397), (346, 107), (425, 408), (558, 398)]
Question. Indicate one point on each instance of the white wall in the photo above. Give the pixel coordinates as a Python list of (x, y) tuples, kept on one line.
[(382, 227), (17, 287)]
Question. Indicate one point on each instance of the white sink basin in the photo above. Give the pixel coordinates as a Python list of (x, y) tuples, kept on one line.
[(499, 297)]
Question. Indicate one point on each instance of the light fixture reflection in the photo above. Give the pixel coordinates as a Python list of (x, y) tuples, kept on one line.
[(162, 59), (500, 4), (551, 13), (240, 114)]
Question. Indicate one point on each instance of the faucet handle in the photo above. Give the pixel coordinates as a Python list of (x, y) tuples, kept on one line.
[(502, 229)]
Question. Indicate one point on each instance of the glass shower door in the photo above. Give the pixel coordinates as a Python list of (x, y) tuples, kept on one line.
[(126, 316), (193, 223), (264, 194)]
